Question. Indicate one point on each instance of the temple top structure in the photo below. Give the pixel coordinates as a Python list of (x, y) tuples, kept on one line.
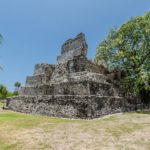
[(73, 48)]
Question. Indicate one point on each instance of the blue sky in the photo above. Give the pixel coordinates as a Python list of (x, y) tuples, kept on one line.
[(34, 30)]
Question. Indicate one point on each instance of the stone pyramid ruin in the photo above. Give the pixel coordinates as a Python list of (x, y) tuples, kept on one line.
[(73, 88)]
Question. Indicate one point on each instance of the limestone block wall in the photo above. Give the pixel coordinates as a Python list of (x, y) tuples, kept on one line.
[(88, 76), (91, 67), (46, 69), (85, 107), (73, 48), (75, 43), (37, 80), (60, 74), (72, 88), (37, 90), (81, 63), (42, 75), (85, 87)]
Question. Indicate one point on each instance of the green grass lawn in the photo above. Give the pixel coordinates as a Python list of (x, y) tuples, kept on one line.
[(2, 104), (129, 131)]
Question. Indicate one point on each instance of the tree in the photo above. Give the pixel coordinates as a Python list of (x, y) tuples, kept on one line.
[(128, 49), (3, 91), (17, 88), (17, 85)]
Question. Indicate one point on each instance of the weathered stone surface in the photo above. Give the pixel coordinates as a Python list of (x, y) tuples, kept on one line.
[(42, 89), (37, 80), (71, 106), (45, 69), (42, 75), (74, 88), (73, 48)]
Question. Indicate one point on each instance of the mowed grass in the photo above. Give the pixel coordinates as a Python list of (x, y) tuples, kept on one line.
[(129, 131), (2, 104)]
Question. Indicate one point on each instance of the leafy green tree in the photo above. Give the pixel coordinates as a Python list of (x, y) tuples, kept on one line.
[(3, 91), (128, 49), (15, 93), (10, 94)]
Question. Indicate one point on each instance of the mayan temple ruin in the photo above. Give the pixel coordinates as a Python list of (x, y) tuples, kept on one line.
[(73, 88)]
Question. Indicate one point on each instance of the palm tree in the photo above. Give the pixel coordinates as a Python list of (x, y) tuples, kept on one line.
[(17, 86)]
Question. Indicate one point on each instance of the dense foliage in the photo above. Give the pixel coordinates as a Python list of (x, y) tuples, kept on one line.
[(3, 91), (128, 49)]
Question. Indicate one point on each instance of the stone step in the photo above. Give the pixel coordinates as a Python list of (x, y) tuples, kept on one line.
[(42, 89), (79, 76), (71, 88), (37, 80), (88, 76)]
